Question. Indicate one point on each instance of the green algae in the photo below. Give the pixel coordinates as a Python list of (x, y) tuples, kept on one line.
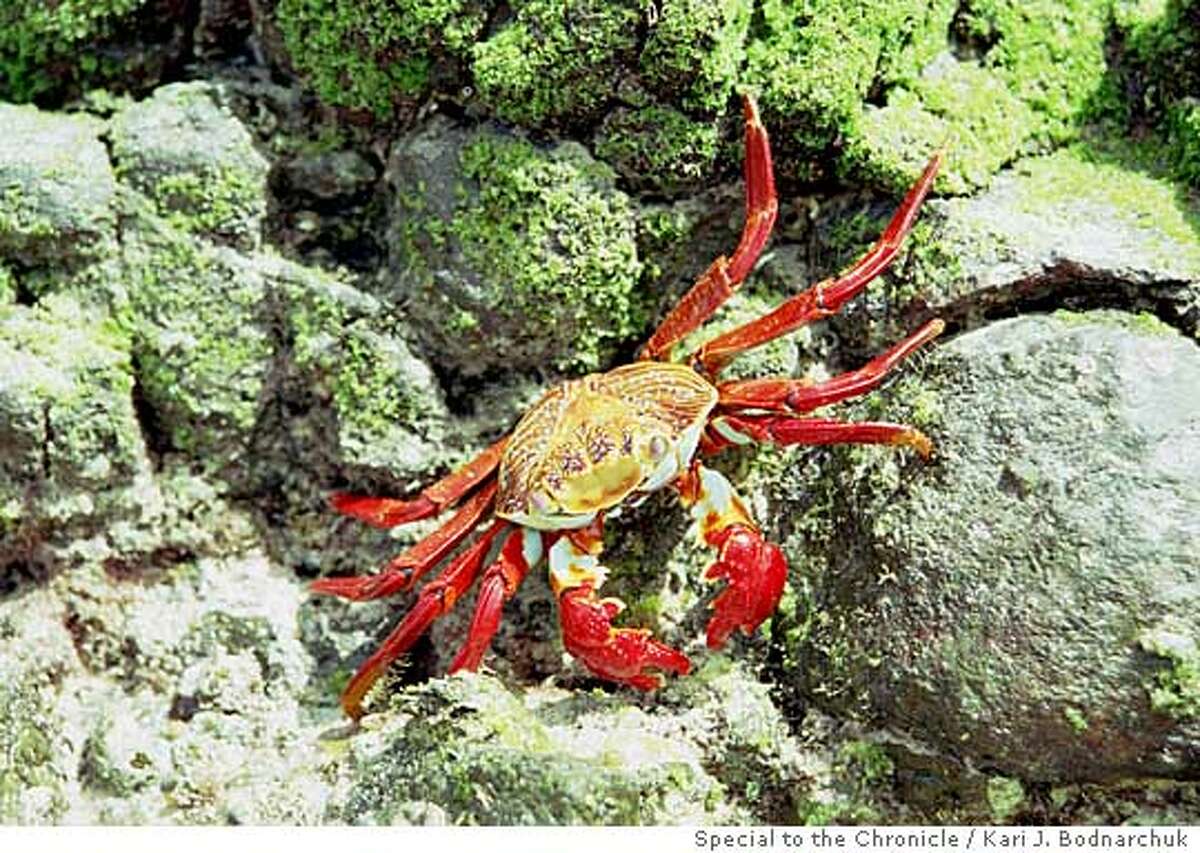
[(1175, 691), (555, 62), (66, 36), (549, 251), (369, 56)]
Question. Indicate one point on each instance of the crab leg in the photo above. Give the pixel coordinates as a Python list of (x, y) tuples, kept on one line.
[(726, 430), (401, 572), (754, 568), (520, 552), (724, 276), (434, 600), (800, 395), (826, 297), (624, 655), (390, 512)]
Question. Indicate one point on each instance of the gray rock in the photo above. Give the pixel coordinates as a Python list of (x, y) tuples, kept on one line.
[(1029, 601), (467, 750), (56, 188), (72, 458), (1065, 230), (507, 256), (195, 161), (329, 175)]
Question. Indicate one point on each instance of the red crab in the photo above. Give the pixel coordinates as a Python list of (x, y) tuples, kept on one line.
[(591, 445)]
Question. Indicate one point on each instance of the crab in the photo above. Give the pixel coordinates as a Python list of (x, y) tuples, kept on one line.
[(593, 445)]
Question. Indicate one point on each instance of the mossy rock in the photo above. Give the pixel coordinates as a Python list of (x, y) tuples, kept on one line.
[(363, 387), (814, 66), (73, 459), (35, 756), (195, 161), (376, 56), (195, 315), (1156, 60), (1078, 227), (659, 149), (50, 51), (466, 749), (555, 63), (1028, 597), (508, 256), (960, 107), (694, 51), (56, 189)]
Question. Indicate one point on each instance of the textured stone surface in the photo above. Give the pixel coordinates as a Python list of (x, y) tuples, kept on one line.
[(56, 187), (1020, 601), (195, 161)]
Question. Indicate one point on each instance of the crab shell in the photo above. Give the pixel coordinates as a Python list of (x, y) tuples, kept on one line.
[(591, 443)]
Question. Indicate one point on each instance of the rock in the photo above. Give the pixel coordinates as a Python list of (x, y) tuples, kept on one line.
[(56, 188), (195, 161), (179, 701), (197, 318), (1029, 601), (72, 459), (36, 763), (510, 257), (332, 176), (1071, 229), (467, 750)]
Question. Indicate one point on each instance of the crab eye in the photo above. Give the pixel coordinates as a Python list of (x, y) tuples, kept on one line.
[(540, 502), (657, 447)]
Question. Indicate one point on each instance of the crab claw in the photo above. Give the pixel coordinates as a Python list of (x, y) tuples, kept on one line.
[(755, 570), (618, 654)]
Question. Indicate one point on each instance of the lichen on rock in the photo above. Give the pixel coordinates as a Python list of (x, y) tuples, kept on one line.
[(195, 161), (508, 256), (1064, 447)]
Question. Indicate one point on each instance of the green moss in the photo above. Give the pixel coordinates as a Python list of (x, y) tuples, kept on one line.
[(208, 204), (695, 50), (374, 389), (477, 751), (1076, 719), (1183, 137), (1004, 797), (556, 61), (1142, 322), (958, 106), (1020, 77), (371, 55), (659, 148), (814, 64), (1175, 690), (1049, 52), (201, 351), (868, 761), (8, 285), (556, 246), (41, 42), (1093, 173), (388, 411), (1158, 58)]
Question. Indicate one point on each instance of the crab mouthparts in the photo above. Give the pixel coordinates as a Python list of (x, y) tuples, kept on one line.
[(602, 485)]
